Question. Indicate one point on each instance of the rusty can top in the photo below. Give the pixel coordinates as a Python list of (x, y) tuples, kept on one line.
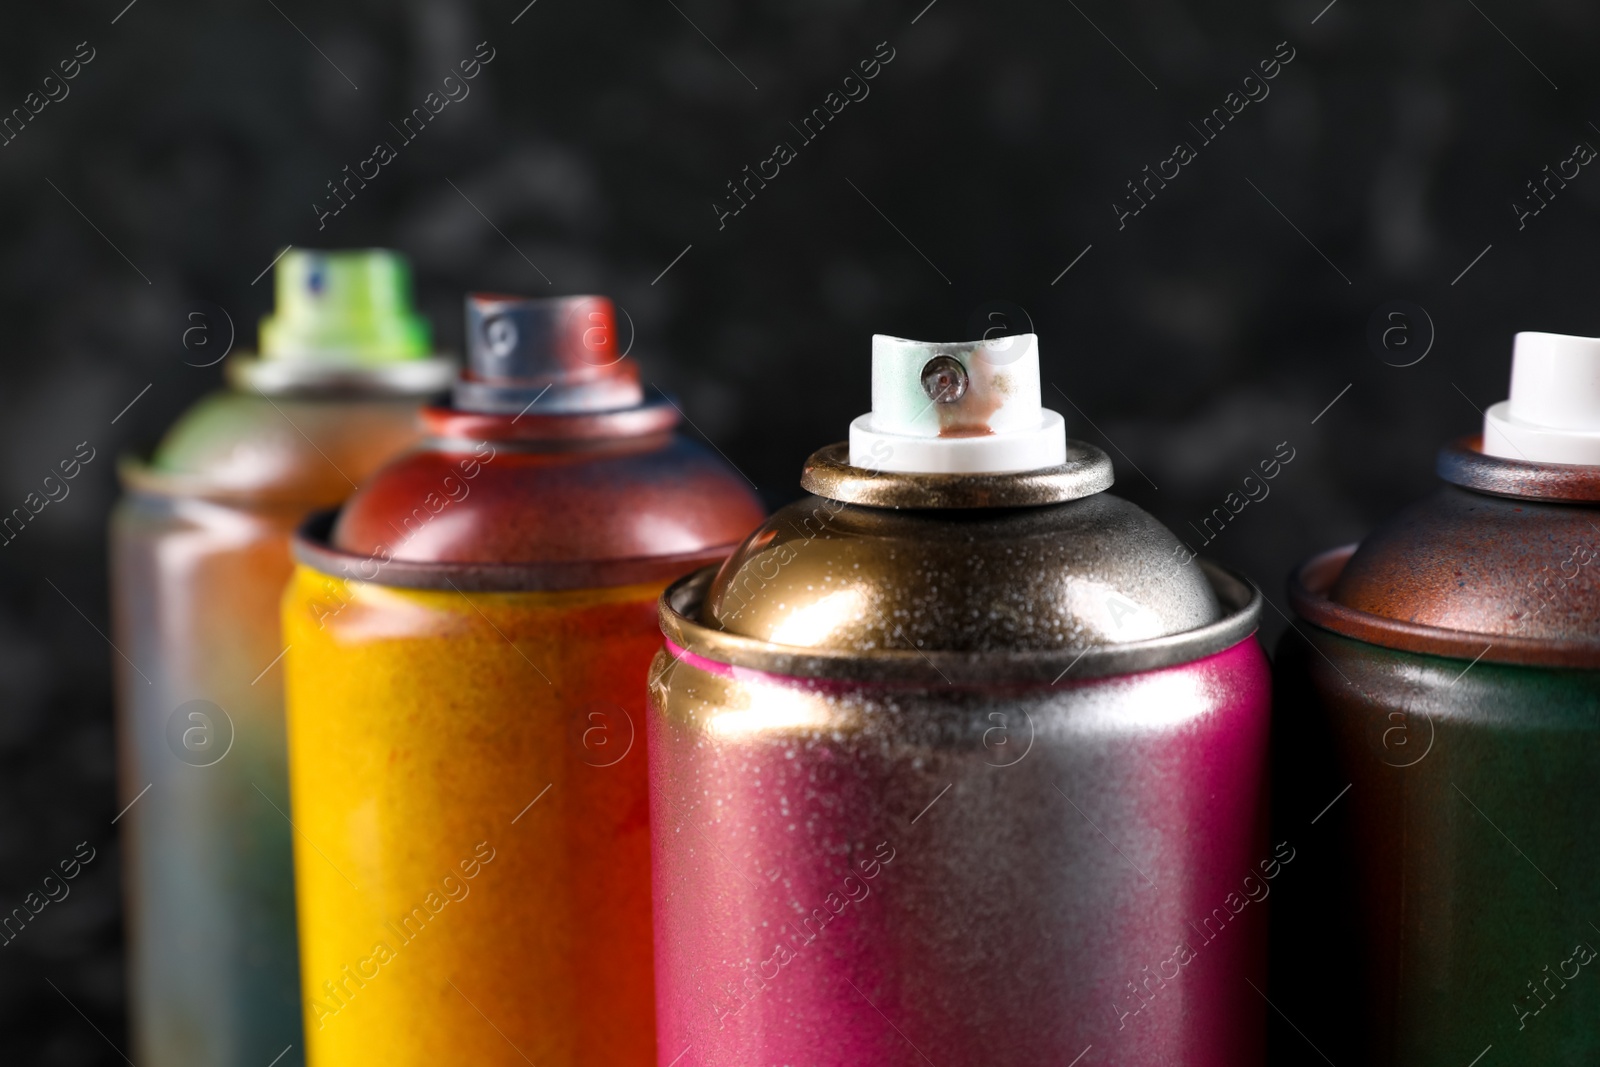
[(552, 469), (921, 557), (1499, 563)]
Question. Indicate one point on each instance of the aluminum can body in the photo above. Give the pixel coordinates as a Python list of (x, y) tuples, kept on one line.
[(873, 874), (1440, 907)]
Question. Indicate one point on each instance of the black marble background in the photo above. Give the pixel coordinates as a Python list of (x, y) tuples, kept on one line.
[(1218, 323)]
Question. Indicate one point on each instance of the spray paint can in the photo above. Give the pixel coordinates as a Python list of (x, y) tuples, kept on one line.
[(1442, 720), (199, 558), (471, 640), (954, 759)]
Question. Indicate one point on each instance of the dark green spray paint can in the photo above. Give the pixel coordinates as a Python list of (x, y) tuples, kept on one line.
[(1437, 747)]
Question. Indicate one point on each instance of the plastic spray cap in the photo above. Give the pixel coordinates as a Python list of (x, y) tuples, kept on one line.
[(556, 355), (968, 407), (343, 309), (1553, 415)]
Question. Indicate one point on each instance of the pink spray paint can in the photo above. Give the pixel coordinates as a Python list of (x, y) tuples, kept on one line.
[(960, 758)]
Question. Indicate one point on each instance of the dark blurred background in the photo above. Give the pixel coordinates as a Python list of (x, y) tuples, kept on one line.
[(1219, 322)]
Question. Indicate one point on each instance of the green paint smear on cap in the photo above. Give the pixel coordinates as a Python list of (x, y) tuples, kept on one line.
[(344, 308)]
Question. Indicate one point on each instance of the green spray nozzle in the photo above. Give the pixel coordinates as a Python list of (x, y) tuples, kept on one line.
[(343, 308)]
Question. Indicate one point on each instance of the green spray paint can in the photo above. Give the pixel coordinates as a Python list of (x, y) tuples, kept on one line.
[(199, 559), (1437, 747)]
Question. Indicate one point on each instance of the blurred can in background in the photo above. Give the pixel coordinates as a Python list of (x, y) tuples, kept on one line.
[(1442, 728), (470, 643), (960, 759), (199, 559)]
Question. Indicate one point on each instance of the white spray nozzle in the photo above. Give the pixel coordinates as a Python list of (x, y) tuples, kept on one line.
[(1553, 415), (968, 407)]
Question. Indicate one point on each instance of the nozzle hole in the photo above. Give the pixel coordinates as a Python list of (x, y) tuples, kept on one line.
[(500, 336), (944, 379)]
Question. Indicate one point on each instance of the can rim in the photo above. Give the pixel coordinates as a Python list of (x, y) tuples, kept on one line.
[(1240, 599), (829, 473), (313, 548), (657, 413), (1463, 462), (420, 378), (138, 477), (1308, 596)]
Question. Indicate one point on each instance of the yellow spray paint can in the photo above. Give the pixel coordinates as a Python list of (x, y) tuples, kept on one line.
[(469, 645)]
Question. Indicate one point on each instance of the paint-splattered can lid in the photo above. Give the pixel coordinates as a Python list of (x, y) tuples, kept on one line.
[(557, 355), (957, 408)]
